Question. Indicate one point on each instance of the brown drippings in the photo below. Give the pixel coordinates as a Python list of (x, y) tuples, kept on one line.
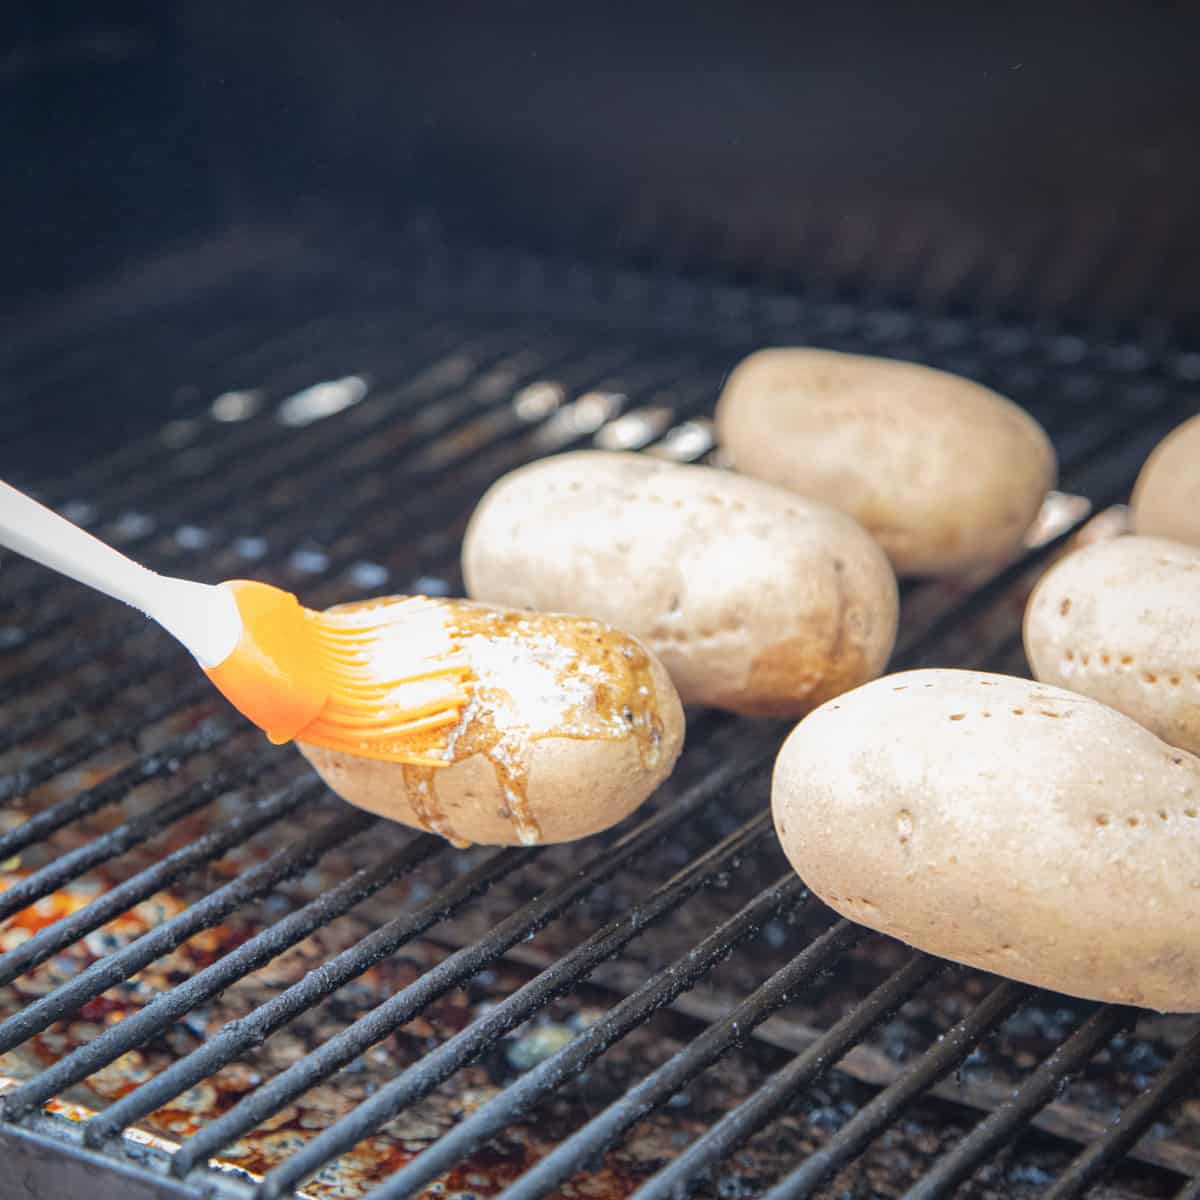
[(536, 676)]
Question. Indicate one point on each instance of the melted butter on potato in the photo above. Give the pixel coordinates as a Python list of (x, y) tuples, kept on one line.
[(1005, 824), (570, 725), (1166, 497), (1120, 621), (755, 600), (946, 474)]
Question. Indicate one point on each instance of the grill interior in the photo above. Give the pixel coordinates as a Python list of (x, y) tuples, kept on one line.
[(218, 980)]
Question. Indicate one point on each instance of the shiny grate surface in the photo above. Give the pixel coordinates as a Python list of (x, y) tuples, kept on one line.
[(216, 979)]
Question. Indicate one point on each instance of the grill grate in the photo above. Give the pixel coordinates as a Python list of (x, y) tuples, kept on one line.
[(339, 451)]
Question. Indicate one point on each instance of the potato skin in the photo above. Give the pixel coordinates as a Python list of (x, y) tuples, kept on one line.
[(1166, 496), (755, 600), (1004, 824), (945, 474), (1118, 621), (569, 772)]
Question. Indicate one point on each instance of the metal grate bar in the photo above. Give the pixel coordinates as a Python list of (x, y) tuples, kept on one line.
[(167, 1008), (937, 1061), (296, 448), (420, 1079), (1091, 1162), (138, 829), (321, 443), (57, 936), (163, 938), (289, 375), (663, 987), (1035, 1093), (318, 444), (460, 965), (80, 701), (19, 782), (1189, 1191), (241, 1035), (41, 824), (603, 1130), (677, 1179)]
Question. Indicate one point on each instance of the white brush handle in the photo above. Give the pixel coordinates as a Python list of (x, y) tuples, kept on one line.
[(204, 618)]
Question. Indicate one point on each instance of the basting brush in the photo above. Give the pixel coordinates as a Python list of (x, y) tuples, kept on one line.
[(383, 681)]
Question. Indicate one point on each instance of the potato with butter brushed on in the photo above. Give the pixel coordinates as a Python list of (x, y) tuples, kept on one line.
[(946, 474), (755, 600), (1005, 824), (570, 726)]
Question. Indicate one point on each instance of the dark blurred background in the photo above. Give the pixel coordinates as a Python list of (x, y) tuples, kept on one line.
[(1036, 159)]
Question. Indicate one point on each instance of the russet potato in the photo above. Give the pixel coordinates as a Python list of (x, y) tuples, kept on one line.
[(947, 475), (755, 600), (1005, 824)]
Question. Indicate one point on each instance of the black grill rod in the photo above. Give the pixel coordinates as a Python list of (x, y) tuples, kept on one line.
[(312, 454), (459, 966), (133, 465), (36, 828), (1098, 1157), (137, 829), (319, 443), (238, 1036), (140, 886), (941, 1058), (679, 1177), (162, 939), (233, 342), (603, 1131), (423, 1077), (172, 496), (292, 527), (287, 376), (172, 1005), (1003, 1123), (660, 990), (81, 700)]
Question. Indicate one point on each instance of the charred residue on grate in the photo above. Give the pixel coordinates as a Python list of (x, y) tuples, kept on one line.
[(108, 729)]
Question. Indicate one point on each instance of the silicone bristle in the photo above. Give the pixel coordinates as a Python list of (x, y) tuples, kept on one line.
[(396, 682)]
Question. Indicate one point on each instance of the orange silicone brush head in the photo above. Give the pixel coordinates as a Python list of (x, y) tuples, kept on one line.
[(382, 681)]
